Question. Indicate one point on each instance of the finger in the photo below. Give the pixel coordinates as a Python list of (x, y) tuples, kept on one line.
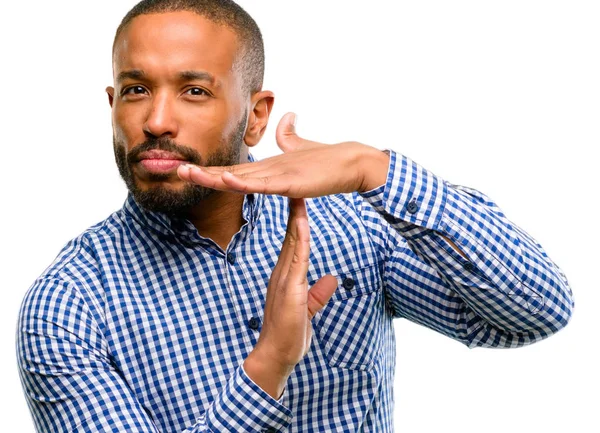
[(296, 280), (247, 168), (277, 279), (273, 183), (286, 133), (192, 173), (201, 176), (320, 293), (286, 136), (286, 256), (268, 179)]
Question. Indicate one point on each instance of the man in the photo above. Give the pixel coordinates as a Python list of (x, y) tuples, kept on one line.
[(212, 302)]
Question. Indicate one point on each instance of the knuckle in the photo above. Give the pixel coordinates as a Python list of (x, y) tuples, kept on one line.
[(296, 259)]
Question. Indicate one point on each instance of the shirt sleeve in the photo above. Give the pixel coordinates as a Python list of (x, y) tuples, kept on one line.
[(72, 386), (506, 293)]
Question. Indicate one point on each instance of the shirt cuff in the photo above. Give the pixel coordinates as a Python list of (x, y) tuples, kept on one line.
[(245, 407), (412, 199)]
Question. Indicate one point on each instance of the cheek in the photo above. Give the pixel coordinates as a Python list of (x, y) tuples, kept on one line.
[(207, 125), (127, 126)]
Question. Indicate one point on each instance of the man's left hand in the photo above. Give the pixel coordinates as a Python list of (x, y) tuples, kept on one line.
[(305, 169)]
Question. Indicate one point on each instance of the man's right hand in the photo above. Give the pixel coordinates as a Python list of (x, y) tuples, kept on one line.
[(286, 332)]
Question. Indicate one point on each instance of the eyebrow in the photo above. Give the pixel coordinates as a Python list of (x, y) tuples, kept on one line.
[(138, 74), (133, 74), (198, 76)]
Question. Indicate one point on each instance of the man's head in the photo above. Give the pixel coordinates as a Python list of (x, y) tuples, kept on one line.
[(188, 77)]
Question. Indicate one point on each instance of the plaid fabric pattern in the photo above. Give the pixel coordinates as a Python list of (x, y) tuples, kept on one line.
[(142, 325)]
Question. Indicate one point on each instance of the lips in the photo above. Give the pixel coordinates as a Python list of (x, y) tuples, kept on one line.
[(161, 154), (160, 161)]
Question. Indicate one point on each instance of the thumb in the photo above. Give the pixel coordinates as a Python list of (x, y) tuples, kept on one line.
[(286, 136), (320, 293)]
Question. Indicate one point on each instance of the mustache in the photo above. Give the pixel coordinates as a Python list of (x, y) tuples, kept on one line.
[(166, 144)]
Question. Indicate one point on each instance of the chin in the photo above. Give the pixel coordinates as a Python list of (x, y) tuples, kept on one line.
[(173, 201)]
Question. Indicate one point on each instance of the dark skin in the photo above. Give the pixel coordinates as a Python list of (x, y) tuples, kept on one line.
[(199, 113), (174, 75)]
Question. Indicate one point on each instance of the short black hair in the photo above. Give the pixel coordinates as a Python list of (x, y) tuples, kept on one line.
[(250, 61)]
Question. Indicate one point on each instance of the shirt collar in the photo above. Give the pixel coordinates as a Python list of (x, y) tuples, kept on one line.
[(182, 229)]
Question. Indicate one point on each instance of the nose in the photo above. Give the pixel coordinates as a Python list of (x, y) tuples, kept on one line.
[(161, 119)]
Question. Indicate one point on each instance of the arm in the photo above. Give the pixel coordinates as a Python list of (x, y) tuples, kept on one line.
[(480, 279), (71, 385), (499, 285)]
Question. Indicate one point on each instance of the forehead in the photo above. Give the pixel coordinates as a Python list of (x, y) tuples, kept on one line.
[(168, 43)]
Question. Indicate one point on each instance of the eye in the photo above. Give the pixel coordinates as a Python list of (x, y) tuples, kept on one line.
[(134, 90), (197, 91)]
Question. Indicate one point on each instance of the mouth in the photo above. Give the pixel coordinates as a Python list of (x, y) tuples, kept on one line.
[(160, 161)]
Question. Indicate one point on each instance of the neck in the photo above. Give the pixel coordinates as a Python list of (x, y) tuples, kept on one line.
[(219, 217)]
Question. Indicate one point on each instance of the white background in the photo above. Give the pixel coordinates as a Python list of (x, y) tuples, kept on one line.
[(500, 96)]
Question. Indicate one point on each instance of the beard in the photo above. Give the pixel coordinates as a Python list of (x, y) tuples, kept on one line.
[(159, 198)]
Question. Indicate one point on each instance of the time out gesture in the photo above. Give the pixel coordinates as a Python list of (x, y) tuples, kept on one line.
[(305, 169)]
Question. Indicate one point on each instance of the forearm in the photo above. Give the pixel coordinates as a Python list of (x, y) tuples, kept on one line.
[(502, 275)]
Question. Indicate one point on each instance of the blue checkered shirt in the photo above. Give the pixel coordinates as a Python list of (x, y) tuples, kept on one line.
[(142, 325)]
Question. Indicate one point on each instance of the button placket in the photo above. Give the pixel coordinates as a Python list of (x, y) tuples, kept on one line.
[(250, 306), (244, 298)]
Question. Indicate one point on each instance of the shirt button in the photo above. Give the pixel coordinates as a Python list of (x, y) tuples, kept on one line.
[(231, 258), (468, 266), (348, 283), (412, 207), (253, 323)]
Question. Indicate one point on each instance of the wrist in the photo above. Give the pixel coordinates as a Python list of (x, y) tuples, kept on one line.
[(374, 165), (265, 373)]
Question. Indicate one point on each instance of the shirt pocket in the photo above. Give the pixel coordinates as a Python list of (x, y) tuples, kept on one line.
[(349, 327)]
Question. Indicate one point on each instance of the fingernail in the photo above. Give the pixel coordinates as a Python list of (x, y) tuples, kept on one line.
[(190, 166), (294, 119)]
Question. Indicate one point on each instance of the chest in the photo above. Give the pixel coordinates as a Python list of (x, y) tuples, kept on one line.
[(180, 320)]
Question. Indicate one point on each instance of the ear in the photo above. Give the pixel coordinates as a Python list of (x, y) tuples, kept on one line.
[(261, 105), (110, 91)]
